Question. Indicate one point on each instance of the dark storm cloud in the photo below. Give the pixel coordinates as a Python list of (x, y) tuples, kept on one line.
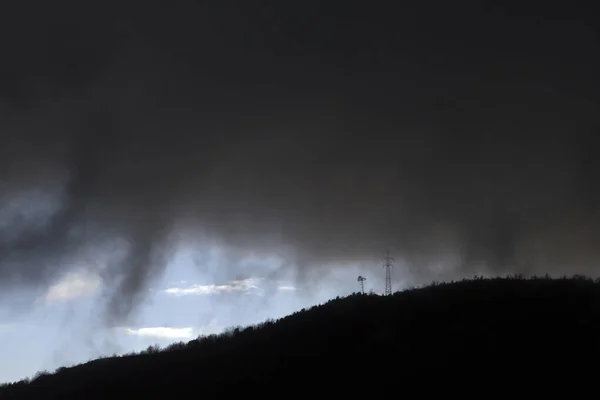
[(328, 130)]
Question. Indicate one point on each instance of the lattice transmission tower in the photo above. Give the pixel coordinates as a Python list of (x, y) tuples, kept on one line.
[(387, 265)]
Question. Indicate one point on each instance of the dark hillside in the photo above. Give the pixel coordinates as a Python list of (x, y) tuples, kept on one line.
[(459, 328)]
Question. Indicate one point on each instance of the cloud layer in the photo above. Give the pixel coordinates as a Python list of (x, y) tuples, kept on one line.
[(125, 137), (246, 286), (162, 332), (74, 285)]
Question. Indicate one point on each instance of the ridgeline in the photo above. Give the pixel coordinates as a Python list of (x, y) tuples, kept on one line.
[(351, 345)]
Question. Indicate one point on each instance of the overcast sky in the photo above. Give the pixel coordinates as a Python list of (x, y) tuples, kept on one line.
[(461, 135)]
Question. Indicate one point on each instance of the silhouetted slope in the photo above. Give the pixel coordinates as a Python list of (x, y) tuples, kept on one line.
[(456, 329)]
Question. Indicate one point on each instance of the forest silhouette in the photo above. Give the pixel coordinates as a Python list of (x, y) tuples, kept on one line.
[(351, 345)]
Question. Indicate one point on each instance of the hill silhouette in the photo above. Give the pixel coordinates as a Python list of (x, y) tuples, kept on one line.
[(351, 344)]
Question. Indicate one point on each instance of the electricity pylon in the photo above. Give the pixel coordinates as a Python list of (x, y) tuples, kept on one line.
[(387, 265)]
